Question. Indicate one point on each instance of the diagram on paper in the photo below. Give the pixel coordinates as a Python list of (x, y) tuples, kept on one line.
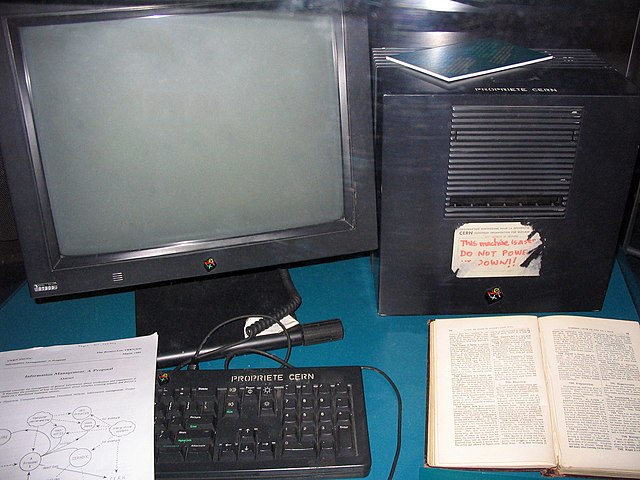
[(72, 445)]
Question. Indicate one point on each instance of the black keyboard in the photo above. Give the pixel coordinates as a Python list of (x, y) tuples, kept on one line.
[(273, 423)]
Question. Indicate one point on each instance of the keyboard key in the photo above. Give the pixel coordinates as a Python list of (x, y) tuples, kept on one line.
[(324, 400), (247, 451), (193, 422), (228, 452), (298, 449), (265, 450), (207, 406), (170, 453), (231, 409), (249, 405), (327, 446), (289, 403), (308, 431), (345, 440), (267, 408), (198, 453)]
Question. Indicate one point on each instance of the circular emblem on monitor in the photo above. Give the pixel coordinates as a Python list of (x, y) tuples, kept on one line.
[(209, 264)]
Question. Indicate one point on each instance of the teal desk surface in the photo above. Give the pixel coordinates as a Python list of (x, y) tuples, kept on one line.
[(340, 289)]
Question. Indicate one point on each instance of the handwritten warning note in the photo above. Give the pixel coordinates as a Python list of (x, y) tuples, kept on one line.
[(506, 249)]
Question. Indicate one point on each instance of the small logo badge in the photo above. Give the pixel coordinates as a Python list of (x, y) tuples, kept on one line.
[(45, 287), (163, 378), (493, 295), (209, 264)]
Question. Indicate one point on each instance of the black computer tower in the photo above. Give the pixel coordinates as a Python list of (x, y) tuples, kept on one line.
[(503, 193)]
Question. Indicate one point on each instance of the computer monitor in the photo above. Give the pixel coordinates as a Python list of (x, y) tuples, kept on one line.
[(149, 144)]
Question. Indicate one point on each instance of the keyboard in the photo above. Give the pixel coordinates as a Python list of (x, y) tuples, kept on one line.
[(267, 423)]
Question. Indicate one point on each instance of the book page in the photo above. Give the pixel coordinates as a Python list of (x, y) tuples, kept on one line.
[(594, 367), (488, 405)]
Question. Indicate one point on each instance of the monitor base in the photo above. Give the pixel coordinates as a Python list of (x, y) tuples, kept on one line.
[(182, 313)]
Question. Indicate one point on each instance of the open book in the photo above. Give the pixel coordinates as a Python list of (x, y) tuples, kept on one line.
[(557, 393)]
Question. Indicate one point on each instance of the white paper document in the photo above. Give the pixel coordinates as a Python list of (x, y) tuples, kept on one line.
[(78, 412)]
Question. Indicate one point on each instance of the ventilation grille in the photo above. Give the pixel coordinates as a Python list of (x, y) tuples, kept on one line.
[(511, 161), (379, 55), (573, 58)]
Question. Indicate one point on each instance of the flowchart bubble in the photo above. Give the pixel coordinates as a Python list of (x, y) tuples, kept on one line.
[(80, 457), (122, 428), (58, 432), (5, 436), (30, 461), (88, 424), (39, 419), (81, 413)]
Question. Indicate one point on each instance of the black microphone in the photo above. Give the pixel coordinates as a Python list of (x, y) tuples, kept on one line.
[(300, 334)]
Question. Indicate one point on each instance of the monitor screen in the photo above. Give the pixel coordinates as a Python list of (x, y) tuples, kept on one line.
[(142, 143), (135, 129)]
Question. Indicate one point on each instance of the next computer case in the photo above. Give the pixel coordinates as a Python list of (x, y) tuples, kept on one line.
[(503, 193)]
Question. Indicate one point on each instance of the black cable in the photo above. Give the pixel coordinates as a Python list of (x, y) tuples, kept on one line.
[(295, 298), (213, 330), (394, 464), (194, 358), (251, 333), (219, 351), (282, 362), (197, 356), (201, 357), (260, 326), (288, 335)]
